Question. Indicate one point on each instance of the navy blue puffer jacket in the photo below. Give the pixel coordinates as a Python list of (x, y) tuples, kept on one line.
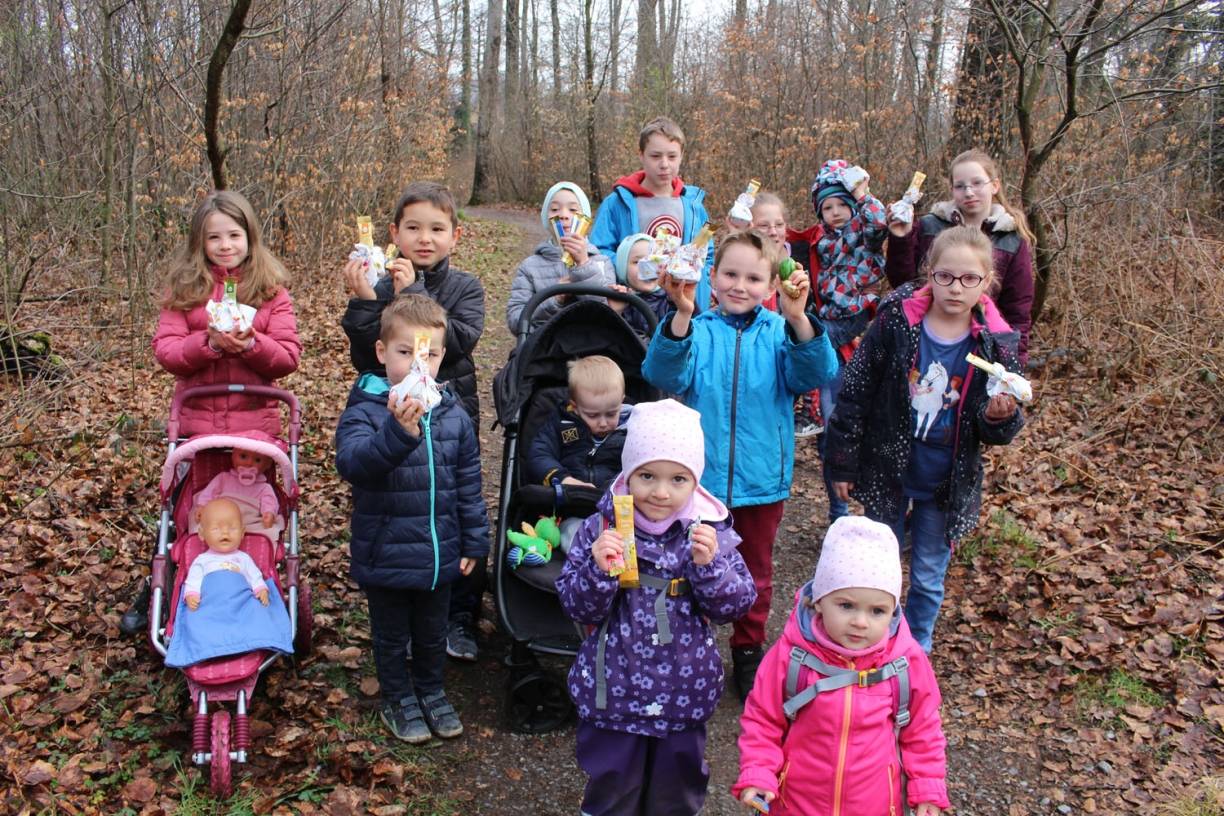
[(417, 507)]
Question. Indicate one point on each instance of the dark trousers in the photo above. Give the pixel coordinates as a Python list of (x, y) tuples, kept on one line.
[(397, 615), (758, 527), (632, 775), (466, 592)]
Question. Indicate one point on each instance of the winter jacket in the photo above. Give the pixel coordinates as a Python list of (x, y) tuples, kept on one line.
[(181, 347), (1013, 262), (417, 507), (839, 754), (617, 219), (544, 268), (843, 263), (870, 434), (652, 687), (463, 298), (742, 374), (657, 300), (564, 447)]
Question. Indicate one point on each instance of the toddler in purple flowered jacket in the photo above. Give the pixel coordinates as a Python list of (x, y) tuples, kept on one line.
[(649, 675)]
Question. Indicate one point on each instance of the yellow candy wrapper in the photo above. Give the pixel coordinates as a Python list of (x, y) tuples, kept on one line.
[(627, 570)]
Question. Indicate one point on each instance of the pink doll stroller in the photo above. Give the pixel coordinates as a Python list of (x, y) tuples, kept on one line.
[(231, 677)]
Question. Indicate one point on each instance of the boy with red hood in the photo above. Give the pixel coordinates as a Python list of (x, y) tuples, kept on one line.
[(654, 197)]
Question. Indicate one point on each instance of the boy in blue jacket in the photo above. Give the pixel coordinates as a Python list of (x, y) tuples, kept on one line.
[(741, 366), (419, 521), (654, 197)]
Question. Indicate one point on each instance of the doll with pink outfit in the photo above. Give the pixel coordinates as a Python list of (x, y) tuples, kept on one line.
[(246, 484)]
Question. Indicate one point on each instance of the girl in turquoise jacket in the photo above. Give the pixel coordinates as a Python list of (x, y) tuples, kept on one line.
[(741, 367)]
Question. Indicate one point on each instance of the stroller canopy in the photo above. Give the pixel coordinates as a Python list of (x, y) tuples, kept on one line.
[(254, 441)]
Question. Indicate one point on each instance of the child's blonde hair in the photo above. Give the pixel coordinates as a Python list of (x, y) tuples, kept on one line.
[(664, 127), (969, 238), (769, 200), (596, 374), (756, 240), (983, 159), (189, 283), (416, 311)]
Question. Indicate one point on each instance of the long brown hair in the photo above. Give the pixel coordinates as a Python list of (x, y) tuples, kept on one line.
[(981, 158), (189, 281)]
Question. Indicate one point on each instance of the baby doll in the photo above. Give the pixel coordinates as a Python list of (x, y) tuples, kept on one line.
[(246, 484), (222, 530)]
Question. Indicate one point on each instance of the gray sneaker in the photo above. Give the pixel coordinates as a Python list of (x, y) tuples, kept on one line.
[(461, 639), (406, 721), (806, 428), (441, 716)]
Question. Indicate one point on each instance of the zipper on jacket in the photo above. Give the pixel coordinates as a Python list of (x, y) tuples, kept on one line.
[(433, 495), (739, 335), (842, 744), (892, 802)]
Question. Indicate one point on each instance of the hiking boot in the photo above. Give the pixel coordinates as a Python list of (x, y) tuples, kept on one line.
[(441, 716), (136, 619), (405, 720), (744, 664), (461, 638)]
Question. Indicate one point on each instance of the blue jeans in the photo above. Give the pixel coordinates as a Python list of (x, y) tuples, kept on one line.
[(930, 553)]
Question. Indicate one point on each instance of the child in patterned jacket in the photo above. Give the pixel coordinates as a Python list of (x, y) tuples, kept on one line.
[(649, 675)]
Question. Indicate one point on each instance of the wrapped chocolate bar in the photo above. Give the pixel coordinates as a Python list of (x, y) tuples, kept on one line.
[(419, 383), (689, 260), (741, 211), (1001, 380), (228, 315), (626, 569), (662, 247), (903, 210), (375, 259), (563, 225)]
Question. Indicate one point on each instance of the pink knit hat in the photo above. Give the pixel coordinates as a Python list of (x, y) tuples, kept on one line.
[(663, 431), (858, 552)]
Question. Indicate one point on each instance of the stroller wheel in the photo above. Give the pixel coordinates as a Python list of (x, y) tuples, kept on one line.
[(537, 703), (304, 640), (220, 771)]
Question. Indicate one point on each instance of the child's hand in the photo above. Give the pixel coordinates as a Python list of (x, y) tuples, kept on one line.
[(842, 490), (682, 293), (927, 809), (748, 794), (608, 550), (225, 342), (1000, 407), (570, 480), (618, 306), (705, 544), (899, 228), (403, 274), (407, 412), (861, 190), (193, 602), (262, 595), (466, 565), (576, 246), (269, 519), (355, 280), (793, 298)]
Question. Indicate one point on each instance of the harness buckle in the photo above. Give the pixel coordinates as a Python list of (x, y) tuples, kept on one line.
[(863, 675), (677, 586)]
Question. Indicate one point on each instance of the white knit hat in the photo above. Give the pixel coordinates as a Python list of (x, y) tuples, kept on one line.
[(663, 431), (858, 552)]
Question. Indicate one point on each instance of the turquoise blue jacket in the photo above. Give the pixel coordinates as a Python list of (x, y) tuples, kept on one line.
[(742, 374), (617, 219)]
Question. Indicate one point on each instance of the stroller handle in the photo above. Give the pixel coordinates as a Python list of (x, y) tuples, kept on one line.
[(524, 324), (201, 391)]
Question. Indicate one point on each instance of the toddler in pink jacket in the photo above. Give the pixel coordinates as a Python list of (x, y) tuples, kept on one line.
[(844, 717)]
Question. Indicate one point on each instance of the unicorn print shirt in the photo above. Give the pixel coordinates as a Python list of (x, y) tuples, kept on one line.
[(935, 391)]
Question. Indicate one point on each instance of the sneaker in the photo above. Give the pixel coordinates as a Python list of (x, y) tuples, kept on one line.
[(744, 664), (806, 428), (441, 716), (405, 720), (461, 638), (136, 619)]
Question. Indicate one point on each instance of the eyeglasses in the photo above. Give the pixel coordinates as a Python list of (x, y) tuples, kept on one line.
[(976, 186), (945, 278)]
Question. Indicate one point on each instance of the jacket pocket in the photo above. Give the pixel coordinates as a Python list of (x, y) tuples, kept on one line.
[(380, 536)]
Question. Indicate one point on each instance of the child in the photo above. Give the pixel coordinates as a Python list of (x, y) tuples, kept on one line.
[(654, 197), (977, 201), (913, 414), (419, 521), (221, 528), (425, 229), (649, 676), (224, 243), (835, 750), (545, 267), (631, 250), (581, 443), (741, 367)]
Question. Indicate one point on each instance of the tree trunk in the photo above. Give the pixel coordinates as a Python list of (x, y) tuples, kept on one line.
[(614, 44), (555, 19), (978, 118), (212, 89), (588, 84), (463, 116), (110, 118), (646, 58), (930, 90), (510, 98), (482, 180)]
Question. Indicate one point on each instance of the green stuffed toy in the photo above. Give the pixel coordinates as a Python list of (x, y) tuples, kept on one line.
[(534, 546)]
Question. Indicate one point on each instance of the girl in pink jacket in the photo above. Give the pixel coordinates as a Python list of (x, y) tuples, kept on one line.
[(845, 709), (224, 245)]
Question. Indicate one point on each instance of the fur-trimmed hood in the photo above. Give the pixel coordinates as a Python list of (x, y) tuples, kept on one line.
[(999, 219)]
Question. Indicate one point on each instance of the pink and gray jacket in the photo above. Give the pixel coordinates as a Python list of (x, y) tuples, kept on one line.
[(838, 757), (181, 347)]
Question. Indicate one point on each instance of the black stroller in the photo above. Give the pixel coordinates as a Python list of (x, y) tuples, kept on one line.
[(525, 392)]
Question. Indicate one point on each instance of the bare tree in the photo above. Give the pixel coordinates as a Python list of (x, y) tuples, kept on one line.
[(216, 75), (482, 181)]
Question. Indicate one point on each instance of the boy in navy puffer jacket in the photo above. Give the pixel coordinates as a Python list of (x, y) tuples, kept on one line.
[(419, 520)]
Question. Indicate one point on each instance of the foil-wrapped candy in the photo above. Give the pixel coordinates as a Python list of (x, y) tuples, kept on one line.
[(903, 210), (740, 215), (419, 384), (228, 315), (375, 261)]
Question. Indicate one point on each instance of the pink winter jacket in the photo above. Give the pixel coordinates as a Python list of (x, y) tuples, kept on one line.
[(839, 757), (181, 347)]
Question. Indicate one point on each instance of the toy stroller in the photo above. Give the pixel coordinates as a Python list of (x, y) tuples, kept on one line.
[(190, 465)]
